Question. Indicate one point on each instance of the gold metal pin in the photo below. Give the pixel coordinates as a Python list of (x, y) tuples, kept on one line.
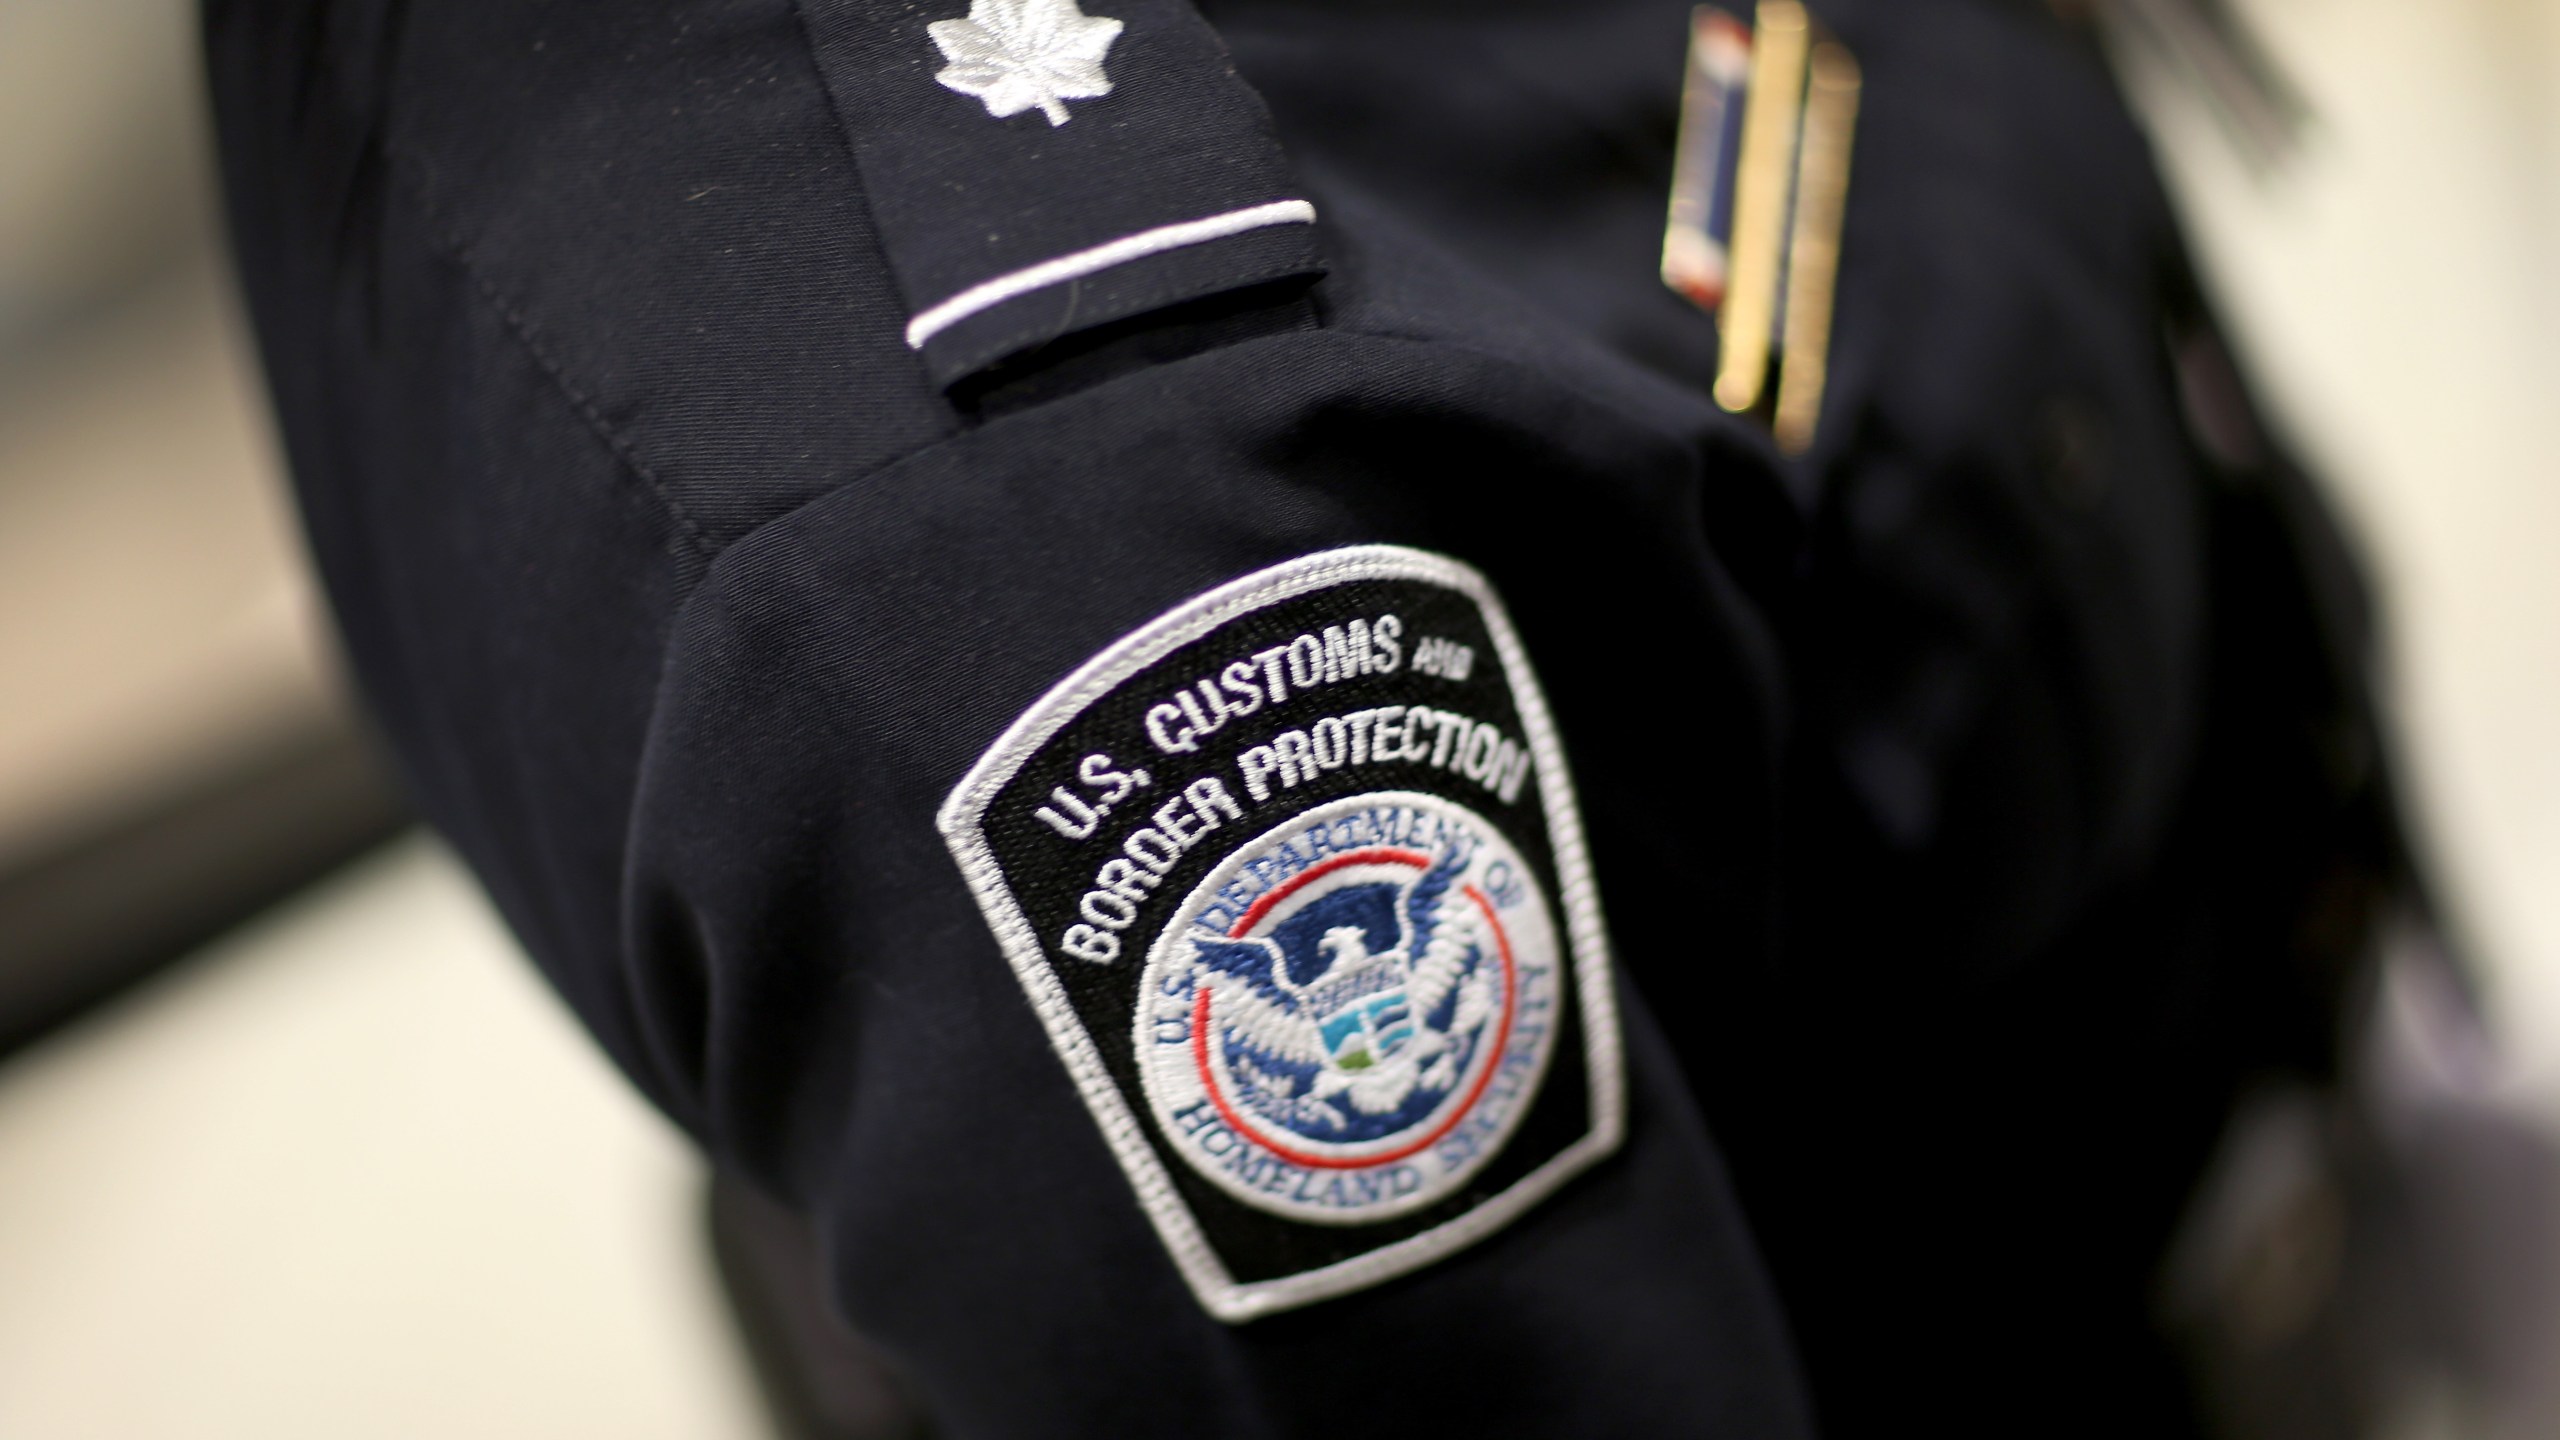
[(1780, 50), (1813, 252)]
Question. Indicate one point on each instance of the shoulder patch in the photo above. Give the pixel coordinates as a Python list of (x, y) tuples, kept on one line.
[(1295, 880)]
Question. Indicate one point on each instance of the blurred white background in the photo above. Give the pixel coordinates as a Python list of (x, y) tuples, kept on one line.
[(352, 1172), (2397, 288)]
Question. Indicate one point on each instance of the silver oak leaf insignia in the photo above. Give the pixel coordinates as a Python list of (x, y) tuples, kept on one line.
[(1016, 55)]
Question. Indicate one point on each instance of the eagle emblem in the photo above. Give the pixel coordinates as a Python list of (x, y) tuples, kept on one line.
[(1357, 1016)]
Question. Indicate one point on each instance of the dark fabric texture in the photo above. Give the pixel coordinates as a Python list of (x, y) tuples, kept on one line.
[(1955, 792)]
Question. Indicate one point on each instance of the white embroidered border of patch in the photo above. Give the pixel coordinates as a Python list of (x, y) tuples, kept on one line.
[(960, 822)]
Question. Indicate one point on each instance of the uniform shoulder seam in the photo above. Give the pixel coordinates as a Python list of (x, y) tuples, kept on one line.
[(528, 336)]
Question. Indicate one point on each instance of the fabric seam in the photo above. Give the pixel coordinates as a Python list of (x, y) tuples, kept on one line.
[(1382, 337), (528, 337)]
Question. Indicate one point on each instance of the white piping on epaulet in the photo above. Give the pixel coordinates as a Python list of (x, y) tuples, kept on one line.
[(1081, 263)]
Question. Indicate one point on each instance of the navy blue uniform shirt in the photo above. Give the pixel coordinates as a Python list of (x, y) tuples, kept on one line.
[(1118, 651)]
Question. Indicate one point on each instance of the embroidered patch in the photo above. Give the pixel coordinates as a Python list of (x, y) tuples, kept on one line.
[(1295, 880), (1017, 55)]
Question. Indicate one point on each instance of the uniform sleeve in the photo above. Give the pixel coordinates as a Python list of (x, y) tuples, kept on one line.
[(1125, 807), (1056, 1025)]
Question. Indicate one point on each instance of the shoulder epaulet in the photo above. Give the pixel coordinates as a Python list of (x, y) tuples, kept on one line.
[(1036, 170)]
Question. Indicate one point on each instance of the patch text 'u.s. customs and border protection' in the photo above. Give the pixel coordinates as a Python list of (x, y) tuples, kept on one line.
[(1294, 877)]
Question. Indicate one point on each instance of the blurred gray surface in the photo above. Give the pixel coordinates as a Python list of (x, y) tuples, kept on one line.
[(174, 753)]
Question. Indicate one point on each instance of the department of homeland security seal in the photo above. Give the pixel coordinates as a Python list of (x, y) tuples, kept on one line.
[(1345, 1018), (1294, 878)]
